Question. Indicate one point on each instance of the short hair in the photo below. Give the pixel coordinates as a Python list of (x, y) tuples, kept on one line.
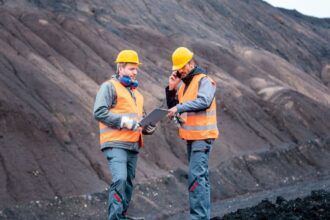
[(120, 65)]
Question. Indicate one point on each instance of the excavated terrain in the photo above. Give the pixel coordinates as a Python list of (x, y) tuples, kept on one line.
[(315, 206), (271, 67)]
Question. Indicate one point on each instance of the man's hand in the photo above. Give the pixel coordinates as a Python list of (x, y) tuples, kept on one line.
[(128, 123), (149, 129), (173, 81), (171, 112)]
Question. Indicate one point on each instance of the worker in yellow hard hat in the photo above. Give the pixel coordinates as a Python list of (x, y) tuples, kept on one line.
[(190, 96), (118, 108)]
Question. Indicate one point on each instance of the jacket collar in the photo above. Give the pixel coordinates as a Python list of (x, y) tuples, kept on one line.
[(197, 70)]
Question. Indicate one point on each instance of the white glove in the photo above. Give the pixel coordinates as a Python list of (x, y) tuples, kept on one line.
[(149, 129), (128, 123)]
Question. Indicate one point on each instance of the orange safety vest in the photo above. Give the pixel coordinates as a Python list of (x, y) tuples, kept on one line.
[(125, 106), (197, 125)]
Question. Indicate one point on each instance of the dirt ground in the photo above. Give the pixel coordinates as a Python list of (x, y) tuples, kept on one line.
[(314, 206), (290, 202)]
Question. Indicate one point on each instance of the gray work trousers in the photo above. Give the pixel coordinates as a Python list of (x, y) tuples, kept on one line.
[(198, 178), (122, 164)]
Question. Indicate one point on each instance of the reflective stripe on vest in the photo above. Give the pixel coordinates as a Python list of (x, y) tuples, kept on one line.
[(125, 106), (199, 128), (200, 113), (197, 125)]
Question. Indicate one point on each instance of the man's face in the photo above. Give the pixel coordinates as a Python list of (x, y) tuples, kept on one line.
[(130, 69), (184, 71)]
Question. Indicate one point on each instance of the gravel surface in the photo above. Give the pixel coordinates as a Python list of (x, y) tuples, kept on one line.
[(315, 206), (300, 190)]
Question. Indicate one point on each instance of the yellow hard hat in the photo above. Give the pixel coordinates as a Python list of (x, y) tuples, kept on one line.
[(128, 56), (180, 57)]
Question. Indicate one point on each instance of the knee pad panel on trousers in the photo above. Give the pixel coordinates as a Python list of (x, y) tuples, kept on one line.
[(198, 165)]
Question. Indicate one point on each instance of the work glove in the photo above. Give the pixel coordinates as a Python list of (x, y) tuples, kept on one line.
[(128, 123), (149, 129)]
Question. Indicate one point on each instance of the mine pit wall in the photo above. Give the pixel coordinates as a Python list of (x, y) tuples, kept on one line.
[(272, 169)]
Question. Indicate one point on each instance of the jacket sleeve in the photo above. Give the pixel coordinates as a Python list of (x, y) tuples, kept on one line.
[(171, 97), (106, 99), (205, 95)]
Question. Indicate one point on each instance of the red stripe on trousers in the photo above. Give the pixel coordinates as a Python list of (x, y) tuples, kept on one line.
[(117, 197)]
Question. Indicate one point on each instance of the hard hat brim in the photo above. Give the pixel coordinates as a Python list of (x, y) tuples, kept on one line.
[(128, 62), (176, 68)]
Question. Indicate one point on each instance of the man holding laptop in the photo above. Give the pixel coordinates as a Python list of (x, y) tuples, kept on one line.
[(119, 108)]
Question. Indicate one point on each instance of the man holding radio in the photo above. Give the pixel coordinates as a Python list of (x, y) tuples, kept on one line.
[(118, 108), (193, 105)]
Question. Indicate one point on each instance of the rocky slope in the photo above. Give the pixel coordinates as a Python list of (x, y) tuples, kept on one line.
[(271, 67), (314, 206), (162, 198)]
